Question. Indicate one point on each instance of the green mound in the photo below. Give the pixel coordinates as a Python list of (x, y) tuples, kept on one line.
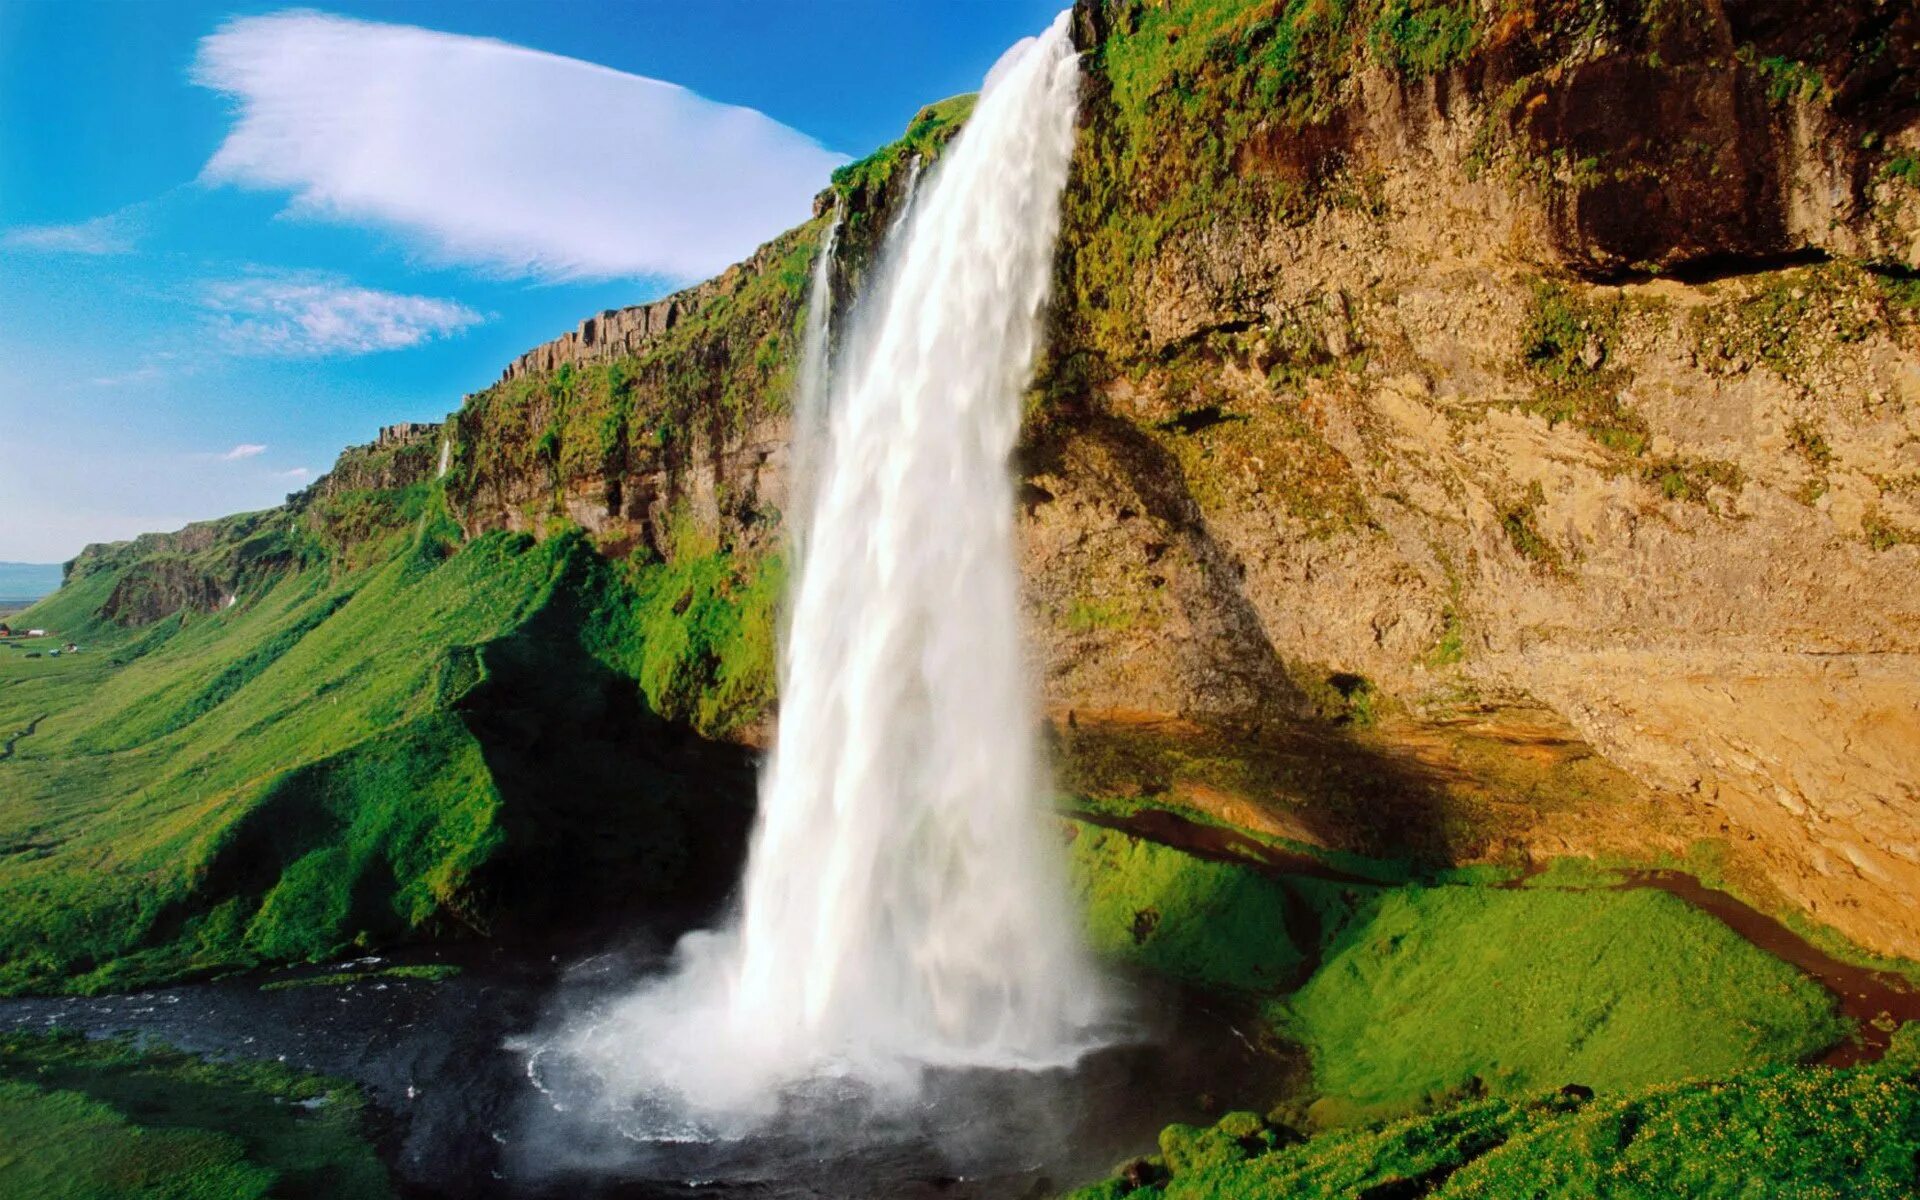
[(1410, 996), (1429, 991), (88, 1120)]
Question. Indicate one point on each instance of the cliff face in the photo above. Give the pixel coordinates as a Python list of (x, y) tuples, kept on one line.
[(1552, 386), (1512, 422)]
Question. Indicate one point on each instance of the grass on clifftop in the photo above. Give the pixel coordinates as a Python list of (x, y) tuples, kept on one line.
[(94, 1120)]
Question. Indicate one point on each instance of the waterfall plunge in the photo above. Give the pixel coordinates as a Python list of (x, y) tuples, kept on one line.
[(903, 906)]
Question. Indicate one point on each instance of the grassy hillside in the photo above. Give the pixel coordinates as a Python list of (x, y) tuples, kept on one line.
[(369, 743)]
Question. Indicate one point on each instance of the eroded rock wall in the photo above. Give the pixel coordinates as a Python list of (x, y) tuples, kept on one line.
[(1493, 434), (1489, 425)]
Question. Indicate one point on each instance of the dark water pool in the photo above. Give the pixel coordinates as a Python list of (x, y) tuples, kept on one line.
[(460, 1116)]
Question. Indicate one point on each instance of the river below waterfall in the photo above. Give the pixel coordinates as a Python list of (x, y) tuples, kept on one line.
[(459, 1115)]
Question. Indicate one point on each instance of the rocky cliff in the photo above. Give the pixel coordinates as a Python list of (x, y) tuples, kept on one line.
[(1509, 419)]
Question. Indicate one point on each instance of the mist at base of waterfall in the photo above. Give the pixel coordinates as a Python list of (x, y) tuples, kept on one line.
[(594, 1124)]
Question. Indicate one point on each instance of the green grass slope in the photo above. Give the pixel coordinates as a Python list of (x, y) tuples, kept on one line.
[(401, 736), (1773, 1131), (1431, 991), (1408, 996)]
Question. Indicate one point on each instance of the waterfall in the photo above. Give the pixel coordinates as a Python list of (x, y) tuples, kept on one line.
[(904, 905), (907, 196), (810, 396)]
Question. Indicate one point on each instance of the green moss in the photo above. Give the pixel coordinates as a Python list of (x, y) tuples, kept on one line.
[(1429, 991), (1423, 37), (1693, 480), (1770, 1132), (1882, 533), (1084, 614), (708, 624), (1270, 452), (103, 1119), (1169, 912), (932, 128), (1451, 647), (1567, 347), (63, 1146), (419, 973), (1234, 1138), (1790, 321), (1218, 111), (1807, 441), (1776, 1131), (1786, 78), (1519, 520)]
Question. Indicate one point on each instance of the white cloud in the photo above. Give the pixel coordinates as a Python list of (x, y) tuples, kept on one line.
[(490, 154), (294, 473), (302, 315), (110, 234), (243, 450)]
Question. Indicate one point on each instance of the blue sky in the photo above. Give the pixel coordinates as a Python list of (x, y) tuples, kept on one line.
[(236, 237)]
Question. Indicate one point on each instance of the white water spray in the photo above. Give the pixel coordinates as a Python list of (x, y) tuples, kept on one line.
[(903, 906)]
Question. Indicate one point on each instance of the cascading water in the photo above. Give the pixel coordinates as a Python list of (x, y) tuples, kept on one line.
[(810, 398), (899, 901), (902, 907)]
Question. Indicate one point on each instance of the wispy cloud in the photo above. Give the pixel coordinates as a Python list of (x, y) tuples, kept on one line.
[(111, 234), (243, 450), (293, 473), (304, 315), (490, 154)]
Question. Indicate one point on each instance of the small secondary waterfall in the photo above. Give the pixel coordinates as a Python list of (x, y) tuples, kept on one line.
[(903, 905), (810, 397)]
